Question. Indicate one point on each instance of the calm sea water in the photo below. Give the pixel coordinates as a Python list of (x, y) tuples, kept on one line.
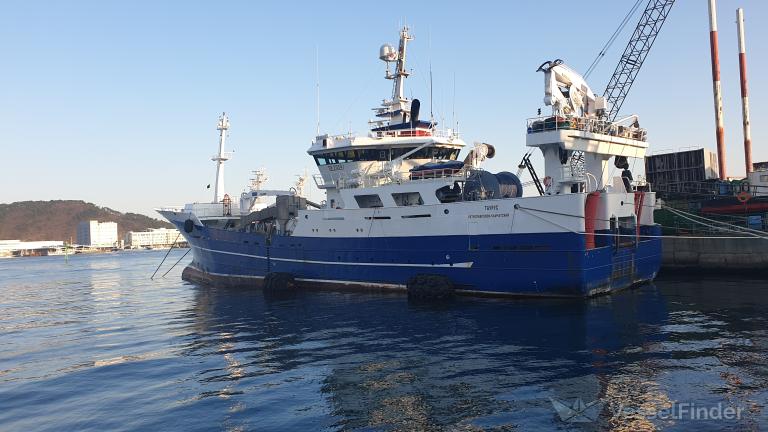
[(93, 344)]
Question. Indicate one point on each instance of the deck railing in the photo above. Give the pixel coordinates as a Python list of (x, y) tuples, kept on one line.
[(407, 133), (587, 124)]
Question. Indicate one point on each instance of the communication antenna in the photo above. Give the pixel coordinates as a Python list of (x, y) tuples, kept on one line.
[(222, 126), (453, 108), (317, 87), (431, 99)]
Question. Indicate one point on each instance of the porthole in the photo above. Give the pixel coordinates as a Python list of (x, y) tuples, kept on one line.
[(446, 211)]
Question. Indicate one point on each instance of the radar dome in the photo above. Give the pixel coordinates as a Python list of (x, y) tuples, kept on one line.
[(387, 53)]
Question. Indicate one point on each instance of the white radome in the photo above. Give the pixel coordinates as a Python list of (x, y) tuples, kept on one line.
[(387, 53)]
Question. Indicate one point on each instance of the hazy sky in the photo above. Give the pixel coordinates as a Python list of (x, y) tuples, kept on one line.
[(116, 102)]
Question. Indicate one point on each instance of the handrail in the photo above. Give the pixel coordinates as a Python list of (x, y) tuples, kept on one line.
[(409, 133), (586, 124)]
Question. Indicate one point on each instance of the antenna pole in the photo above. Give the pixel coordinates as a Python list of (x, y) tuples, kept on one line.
[(453, 107), (431, 99), (400, 73), (431, 115), (222, 157), (317, 87)]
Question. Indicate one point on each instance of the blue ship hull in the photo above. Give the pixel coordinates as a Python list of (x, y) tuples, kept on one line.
[(543, 264)]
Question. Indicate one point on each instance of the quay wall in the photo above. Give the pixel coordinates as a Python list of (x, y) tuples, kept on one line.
[(715, 254)]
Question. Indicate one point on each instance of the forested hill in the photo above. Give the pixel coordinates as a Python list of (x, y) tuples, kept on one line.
[(57, 220)]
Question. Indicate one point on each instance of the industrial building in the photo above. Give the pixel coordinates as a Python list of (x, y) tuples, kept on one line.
[(12, 248), (98, 234), (681, 172), (153, 238), (668, 169)]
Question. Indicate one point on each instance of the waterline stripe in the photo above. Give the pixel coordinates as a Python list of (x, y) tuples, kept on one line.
[(457, 265), (341, 282)]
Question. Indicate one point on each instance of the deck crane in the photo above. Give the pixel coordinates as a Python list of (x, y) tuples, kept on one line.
[(569, 95), (567, 91)]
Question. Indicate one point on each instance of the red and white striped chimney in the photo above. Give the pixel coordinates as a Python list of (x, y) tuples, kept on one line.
[(717, 89), (744, 95)]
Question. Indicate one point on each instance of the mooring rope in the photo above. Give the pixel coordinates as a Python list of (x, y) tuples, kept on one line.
[(690, 216), (529, 211), (174, 265), (166, 256)]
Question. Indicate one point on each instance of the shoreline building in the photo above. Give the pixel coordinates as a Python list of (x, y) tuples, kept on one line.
[(18, 248), (98, 234), (152, 238)]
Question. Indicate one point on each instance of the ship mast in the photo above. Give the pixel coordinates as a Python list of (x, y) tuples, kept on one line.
[(222, 127), (400, 73), (395, 110)]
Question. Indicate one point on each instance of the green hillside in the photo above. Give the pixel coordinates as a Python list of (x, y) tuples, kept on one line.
[(57, 220)]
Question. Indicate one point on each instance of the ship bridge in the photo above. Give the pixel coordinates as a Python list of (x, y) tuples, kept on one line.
[(397, 142), (343, 156)]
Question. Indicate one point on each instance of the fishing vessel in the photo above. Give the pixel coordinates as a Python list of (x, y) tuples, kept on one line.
[(404, 211)]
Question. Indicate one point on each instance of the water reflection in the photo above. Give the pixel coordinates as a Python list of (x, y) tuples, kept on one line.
[(383, 362), (93, 344)]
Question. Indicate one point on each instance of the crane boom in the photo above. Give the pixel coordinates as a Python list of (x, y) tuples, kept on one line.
[(637, 49)]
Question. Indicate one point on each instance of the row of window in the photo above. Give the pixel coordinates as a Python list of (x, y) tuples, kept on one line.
[(343, 156), (401, 199)]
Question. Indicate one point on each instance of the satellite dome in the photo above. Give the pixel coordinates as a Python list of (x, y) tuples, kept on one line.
[(387, 53)]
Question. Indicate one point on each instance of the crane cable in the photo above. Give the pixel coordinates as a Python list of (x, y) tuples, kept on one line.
[(613, 38)]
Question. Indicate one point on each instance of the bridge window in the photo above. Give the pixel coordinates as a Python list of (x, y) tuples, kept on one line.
[(440, 153), (357, 155), (407, 199), (368, 201), (374, 154)]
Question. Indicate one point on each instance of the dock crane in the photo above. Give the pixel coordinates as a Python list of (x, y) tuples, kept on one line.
[(649, 26)]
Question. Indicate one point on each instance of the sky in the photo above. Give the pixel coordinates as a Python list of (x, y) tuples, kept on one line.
[(116, 103)]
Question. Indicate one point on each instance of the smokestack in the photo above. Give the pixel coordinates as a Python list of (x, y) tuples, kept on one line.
[(744, 96), (717, 89)]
